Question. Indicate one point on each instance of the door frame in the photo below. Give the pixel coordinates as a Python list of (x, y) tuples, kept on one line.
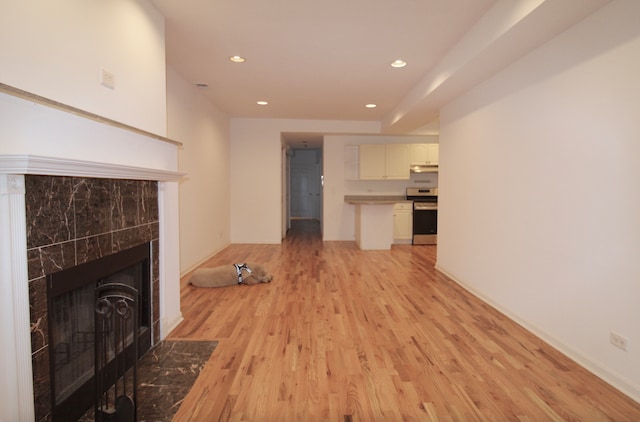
[(287, 154)]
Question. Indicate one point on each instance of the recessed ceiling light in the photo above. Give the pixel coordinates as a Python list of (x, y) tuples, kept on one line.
[(237, 59), (262, 102), (399, 63), (371, 106)]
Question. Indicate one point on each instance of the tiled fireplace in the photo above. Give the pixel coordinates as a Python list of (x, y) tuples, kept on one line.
[(74, 187), (72, 221), (57, 214)]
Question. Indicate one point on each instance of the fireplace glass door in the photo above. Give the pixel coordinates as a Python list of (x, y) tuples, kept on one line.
[(72, 303), (72, 338)]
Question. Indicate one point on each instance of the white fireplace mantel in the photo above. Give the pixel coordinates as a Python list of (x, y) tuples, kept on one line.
[(40, 136), (52, 166), (15, 355)]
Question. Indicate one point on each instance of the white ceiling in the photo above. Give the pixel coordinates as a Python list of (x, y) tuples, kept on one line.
[(326, 59)]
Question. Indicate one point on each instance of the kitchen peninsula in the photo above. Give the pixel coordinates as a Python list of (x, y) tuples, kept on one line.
[(374, 220)]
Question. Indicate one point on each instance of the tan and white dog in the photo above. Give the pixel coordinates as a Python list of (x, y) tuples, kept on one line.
[(228, 275)]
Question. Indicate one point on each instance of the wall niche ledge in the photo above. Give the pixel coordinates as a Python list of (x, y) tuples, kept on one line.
[(35, 164)]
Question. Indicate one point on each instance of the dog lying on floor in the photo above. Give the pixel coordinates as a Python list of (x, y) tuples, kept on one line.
[(228, 275)]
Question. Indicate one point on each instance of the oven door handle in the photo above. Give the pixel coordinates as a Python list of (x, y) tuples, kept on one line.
[(421, 207)]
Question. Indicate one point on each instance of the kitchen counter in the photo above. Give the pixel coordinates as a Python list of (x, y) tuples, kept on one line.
[(374, 219), (373, 199)]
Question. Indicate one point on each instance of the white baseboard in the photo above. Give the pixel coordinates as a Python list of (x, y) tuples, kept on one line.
[(203, 260), (619, 382), (166, 327)]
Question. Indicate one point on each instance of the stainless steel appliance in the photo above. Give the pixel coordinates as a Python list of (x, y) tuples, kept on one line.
[(425, 215)]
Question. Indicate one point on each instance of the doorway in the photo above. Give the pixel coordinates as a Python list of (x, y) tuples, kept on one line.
[(303, 181), (305, 184)]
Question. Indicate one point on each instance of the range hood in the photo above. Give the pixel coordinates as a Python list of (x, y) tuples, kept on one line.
[(424, 169)]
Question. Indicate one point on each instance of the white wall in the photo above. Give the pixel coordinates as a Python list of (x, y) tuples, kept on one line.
[(257, 172), (205, 192), (539, 200), (57, 50), (339, 222)]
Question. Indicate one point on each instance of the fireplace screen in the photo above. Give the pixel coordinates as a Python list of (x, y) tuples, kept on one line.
[(72, 338), (72, 302)]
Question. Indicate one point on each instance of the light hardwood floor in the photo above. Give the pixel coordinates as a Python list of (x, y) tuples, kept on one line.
[(343, 334)]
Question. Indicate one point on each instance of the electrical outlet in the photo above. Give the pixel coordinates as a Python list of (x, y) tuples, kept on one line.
[(108, 79), (618, 341)]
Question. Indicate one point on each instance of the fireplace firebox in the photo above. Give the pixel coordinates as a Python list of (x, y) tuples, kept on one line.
[(71, 296)]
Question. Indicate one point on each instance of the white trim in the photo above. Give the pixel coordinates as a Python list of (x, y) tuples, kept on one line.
[(203, 260), (618, 381), (37, 99), (170, 313), (167, 326), (35, 164), (15, 331)]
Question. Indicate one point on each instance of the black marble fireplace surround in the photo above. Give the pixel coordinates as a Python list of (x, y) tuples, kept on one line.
[(71, 221)]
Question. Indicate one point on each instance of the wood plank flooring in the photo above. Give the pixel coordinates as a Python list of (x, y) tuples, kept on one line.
[(348, 335)]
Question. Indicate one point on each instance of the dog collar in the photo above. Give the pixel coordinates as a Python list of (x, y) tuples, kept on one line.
[(239, 268)]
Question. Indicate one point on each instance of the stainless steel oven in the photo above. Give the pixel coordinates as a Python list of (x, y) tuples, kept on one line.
[(425, 215)]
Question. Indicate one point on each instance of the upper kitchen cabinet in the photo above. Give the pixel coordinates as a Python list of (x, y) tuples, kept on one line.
[(351, 162), (384, 162), (425, 154)]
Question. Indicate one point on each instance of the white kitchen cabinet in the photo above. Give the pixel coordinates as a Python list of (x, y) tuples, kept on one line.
[(402, 221), (398, 157), (384, 162), (374, 226), (351, 162), (372, 161), (425, 154)]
